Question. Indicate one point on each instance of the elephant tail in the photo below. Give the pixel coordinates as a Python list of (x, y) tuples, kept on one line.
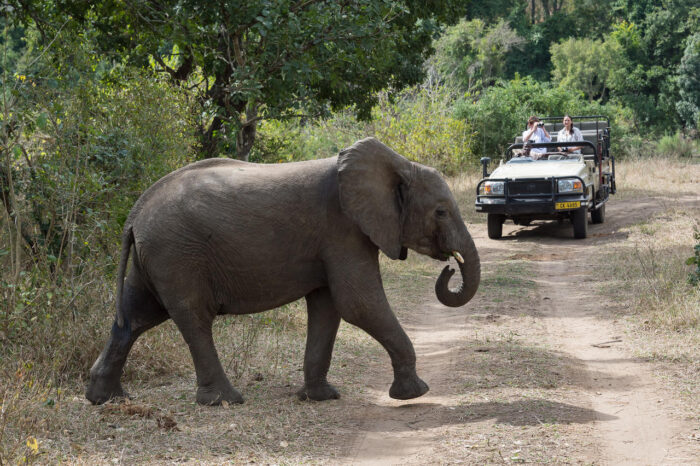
[(127, 241)]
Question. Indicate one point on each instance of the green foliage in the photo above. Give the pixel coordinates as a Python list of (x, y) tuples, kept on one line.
[(584, 65), (502, 111), (419, 125), (694, 276), (689, 84), (81, 139), (268, 59), (422, 127), (294, 140), (676, 146), (471, 55), (653, 41)]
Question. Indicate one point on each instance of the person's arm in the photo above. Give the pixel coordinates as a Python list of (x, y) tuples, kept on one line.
[(577, 137), (546, 137), (527, 133), (559, 138), (546, 134)]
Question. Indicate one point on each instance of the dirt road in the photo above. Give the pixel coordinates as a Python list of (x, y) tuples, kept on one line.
[(536, 369)]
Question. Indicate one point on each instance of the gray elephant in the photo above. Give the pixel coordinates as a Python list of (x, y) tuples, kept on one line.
[(222, 236)]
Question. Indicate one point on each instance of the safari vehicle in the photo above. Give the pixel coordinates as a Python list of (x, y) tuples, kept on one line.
[(557, 185)]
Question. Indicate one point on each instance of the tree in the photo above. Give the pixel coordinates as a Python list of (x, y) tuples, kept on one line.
[(652, 41), (584, 65), (246, 61), (689, 84), (471, 55)]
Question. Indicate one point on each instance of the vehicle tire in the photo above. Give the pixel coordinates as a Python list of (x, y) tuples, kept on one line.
[(495, 225), (598, 215), (579, 218)]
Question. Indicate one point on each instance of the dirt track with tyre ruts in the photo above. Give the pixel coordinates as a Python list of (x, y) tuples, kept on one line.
[(542, 374)]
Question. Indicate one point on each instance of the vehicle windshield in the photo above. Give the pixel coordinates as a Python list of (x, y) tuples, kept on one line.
[(551, 157)]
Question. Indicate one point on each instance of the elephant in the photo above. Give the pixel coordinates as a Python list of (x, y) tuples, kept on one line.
[(223, 236)]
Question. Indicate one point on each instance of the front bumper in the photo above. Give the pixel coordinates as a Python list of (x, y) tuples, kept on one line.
[(545, 204)]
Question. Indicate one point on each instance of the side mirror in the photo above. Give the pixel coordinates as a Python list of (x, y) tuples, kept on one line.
[(485, 163)]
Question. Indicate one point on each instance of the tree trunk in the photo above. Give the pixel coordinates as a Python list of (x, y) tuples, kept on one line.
[(246, 136), (209, 140)]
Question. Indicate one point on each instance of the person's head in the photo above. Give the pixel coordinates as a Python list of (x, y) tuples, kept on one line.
[(532, 121), (568, 124)]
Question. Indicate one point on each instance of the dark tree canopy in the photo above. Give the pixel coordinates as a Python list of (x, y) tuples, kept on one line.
[(246, 61)]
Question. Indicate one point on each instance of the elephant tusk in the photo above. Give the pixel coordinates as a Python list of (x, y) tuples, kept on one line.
[(458, 256)]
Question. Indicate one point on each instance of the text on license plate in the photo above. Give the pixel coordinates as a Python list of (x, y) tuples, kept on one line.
[(567, 205)]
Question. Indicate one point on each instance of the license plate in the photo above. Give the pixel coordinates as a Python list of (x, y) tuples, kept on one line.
[(567, 205)]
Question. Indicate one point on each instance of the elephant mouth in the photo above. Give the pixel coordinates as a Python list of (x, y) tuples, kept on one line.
[(445, 256)]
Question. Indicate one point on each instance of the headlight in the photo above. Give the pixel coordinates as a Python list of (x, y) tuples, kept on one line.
[(491, 188), (570, 185)]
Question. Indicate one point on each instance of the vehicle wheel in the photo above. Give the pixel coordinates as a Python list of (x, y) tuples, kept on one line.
[(579, 218), (495, 225), (598, 215)]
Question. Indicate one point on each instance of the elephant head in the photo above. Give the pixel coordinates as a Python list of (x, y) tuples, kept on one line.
[(400, 204)]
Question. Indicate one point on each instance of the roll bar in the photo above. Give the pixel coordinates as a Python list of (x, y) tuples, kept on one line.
[(520, 145)]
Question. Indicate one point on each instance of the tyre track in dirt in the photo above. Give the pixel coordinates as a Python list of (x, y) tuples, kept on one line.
[(621, 414)]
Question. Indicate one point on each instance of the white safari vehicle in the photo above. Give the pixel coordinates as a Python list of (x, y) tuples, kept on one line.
[(556, 186)]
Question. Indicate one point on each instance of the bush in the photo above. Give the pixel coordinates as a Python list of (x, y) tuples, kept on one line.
[(94, 136), (421, 126), (694, 275), (293, 140), (502, 111), (676, 146)]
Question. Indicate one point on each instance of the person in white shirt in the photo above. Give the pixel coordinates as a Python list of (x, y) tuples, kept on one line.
[(569, 133), (536, 133)]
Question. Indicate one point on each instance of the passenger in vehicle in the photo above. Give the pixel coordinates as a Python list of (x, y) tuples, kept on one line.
[(569, 133), (536, 133)]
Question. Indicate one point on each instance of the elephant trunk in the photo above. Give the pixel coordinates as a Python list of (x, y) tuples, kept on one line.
[(470, 271)]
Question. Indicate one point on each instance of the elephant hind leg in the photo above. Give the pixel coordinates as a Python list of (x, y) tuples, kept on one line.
[(142, 311), (213, 387), (322, 328)]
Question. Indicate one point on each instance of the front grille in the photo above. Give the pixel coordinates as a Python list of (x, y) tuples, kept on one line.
[(529, 187)]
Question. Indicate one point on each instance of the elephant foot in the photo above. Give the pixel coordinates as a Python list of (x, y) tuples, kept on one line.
[(318, 392), (407, 388), (99, 392), (214, 395)]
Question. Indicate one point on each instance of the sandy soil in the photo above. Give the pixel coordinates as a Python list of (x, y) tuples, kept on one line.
[(542, 374)]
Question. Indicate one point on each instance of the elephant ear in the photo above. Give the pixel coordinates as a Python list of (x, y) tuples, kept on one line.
[(373, 181)]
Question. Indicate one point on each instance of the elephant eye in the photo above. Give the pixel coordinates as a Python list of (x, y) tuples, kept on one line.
[(440, 212)]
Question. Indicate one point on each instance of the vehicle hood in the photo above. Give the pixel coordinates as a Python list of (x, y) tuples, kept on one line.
[(540, 169)]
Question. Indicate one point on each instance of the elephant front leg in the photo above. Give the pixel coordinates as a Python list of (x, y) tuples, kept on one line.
[(360, 300), (383, 326), (322, 328)]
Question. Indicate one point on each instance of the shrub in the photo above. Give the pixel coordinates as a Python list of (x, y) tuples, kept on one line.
[(421, 126), (694, 275), (305, 139), (94, 136), (676, 145), (501, 112)]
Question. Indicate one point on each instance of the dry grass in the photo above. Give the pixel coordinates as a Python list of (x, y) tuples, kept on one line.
[(670, 177), (647, 276), (649, 268), (463, 187)]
